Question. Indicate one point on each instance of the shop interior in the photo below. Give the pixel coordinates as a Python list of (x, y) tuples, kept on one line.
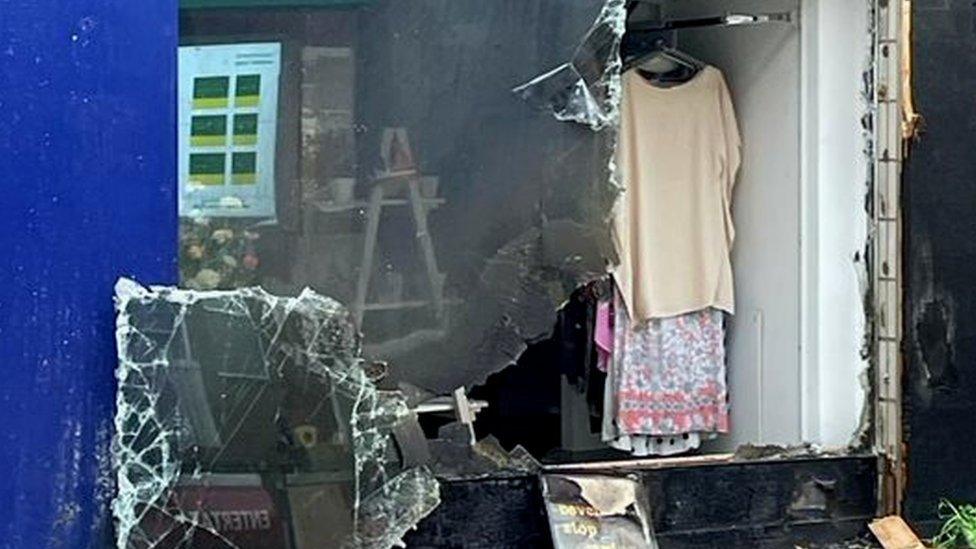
[(471, 235)]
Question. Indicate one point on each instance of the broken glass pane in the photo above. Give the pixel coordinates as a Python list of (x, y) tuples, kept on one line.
[(585, 89), (248, 420), (410, 184), (374, 154)]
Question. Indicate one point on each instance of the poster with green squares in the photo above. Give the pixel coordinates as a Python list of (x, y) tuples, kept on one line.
[(228, 112)]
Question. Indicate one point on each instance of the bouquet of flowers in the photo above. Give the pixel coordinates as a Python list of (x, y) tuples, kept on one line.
[(217, 254)]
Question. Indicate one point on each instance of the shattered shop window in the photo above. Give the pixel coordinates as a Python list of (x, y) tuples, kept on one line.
[(379, 212)]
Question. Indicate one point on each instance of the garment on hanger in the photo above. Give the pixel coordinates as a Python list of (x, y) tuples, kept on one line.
[(639, 445), (645, 445), (575, 348), (603, 333), (677, 157), (666, 378)]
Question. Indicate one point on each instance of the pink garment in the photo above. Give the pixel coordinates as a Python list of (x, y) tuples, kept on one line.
[(603, 335), (669, 374)]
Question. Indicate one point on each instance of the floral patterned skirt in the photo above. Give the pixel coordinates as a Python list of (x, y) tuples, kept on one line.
[(668, 374)]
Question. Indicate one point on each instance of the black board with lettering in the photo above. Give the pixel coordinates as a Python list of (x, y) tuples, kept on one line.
[(597, 512)]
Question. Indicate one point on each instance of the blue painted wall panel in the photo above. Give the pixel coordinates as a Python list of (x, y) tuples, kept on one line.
[(87, 193)]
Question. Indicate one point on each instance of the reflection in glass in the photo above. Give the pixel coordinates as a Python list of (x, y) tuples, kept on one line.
[(375, 154)]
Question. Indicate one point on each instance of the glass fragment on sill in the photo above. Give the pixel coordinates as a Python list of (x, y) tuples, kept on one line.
[(586, 89), (243, 417)]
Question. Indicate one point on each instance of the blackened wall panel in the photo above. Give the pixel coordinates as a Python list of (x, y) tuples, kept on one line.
[(776, 503), (940, 201)]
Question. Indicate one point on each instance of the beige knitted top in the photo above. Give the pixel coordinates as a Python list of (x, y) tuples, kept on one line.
[(677, 158)]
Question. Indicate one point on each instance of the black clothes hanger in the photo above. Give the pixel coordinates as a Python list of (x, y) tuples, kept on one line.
[(684, 66)]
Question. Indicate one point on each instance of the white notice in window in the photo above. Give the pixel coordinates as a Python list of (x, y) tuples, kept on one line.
[(228, 112)]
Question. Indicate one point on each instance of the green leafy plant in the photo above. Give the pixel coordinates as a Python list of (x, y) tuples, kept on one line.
[(958, 527)]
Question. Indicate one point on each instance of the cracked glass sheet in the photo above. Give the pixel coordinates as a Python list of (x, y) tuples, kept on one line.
[(585, 89), (247, 420), (451, 217)]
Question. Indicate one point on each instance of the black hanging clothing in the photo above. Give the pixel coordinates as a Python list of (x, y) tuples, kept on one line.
[(574, 348)]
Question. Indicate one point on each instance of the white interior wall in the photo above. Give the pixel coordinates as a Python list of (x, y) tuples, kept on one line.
[(836, 52), (762, 67), (794, 345)]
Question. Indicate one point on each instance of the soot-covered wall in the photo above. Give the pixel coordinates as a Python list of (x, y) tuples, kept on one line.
[(523, 214), (940, 240)]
